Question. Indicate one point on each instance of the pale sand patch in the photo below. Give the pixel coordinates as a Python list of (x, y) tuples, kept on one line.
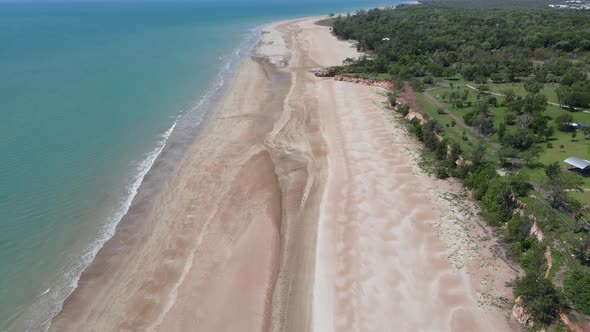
[(395, 249), (201, 252), (230, 242)]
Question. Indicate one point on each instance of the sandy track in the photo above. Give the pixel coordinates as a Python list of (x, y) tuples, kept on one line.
[(295, 210)]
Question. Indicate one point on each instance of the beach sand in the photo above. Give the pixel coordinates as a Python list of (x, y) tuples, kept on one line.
[(300, 207)]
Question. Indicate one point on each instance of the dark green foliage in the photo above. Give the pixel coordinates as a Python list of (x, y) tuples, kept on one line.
[(533, 87), (577, 287), (559, 183), (575, 95), (534, 104), (552, 170), (480, 179), (581, 249), (392, 98), (542, 300), (403, 109), (441, 172), (520, 139), (502, 130), (549, 131), (564, 121), (499, 200), (519, 232), (533, 259), (481, 44)]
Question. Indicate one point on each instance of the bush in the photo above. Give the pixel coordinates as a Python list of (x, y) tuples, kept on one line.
[(564, 121), (533, 259), (493, 101), (392, 99), (468, 117), (441, 173), (403, 109), (464, 136), (417, 84), (519, 232), (539, 296), (483, 88), (577, 288)]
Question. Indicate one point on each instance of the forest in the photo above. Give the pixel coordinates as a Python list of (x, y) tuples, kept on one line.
[(504, 90)]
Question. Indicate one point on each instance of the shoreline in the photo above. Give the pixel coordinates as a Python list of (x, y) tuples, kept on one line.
[(243, 220), (184, 131)]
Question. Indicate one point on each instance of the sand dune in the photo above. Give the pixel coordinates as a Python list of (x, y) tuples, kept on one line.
[(299, 208)]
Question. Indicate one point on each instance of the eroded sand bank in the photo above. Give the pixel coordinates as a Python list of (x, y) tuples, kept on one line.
[(299, 208)]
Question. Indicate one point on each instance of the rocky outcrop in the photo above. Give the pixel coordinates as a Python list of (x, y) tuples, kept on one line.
[(537, 232), (411, 115), (520, 314), (566, 320)]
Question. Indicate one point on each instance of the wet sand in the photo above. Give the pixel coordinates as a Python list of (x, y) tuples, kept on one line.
[(299, 208)]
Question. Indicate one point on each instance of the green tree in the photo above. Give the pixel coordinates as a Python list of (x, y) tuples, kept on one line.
[(564, 121), (549, 131), (533, 87), (552, 170), (499, 200), (502, 130), (541, 299), (577, 288), (508, 95), (558, 186)]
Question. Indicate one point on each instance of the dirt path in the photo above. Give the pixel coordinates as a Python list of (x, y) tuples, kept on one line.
[(458, 120)]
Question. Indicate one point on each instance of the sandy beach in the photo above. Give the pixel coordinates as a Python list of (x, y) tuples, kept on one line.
[(300, 207)]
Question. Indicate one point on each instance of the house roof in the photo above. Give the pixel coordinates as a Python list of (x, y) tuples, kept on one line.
[(577, 162)]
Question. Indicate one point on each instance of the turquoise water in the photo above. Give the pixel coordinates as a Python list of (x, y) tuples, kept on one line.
[(89, 93)]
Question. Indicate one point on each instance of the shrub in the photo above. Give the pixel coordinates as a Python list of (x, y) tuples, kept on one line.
[(539, 296), (403, 109), (533, 259), (577, 288), (492, 100), (483, 88), (468, 117), (392, 99), (441, 173), (564, 121), (464, 136), (417, 84), (519, 231)]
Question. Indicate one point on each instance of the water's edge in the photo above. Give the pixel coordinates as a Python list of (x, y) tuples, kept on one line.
[(150, 172)]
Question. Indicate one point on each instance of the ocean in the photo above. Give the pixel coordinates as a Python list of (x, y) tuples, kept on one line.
[(92, 95)]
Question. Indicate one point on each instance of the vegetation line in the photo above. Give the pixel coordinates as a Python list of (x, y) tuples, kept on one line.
[(506, 97)]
